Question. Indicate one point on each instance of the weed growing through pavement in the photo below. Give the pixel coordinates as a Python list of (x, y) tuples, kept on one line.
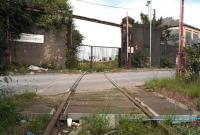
[(99, 125), (96, 124)]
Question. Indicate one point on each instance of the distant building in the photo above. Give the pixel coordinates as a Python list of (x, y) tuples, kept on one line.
[(191, 34), (169, 48)]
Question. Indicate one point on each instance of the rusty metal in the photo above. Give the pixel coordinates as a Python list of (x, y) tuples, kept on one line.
[(97, 21), (53, 126), (180, 64)]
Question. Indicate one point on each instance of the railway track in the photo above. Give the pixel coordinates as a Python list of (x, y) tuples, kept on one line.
[(54, 124), (147, 110)]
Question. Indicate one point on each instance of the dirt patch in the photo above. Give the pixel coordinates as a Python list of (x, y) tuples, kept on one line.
[(180, 97), (42, 104)]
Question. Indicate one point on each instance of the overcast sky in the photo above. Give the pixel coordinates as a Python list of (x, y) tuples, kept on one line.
[(102, 35)]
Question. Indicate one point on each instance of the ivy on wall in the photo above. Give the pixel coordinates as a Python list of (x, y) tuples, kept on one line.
[(45, 14)]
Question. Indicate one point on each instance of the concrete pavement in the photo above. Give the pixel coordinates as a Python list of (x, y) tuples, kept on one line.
[(44, 84), (50, 84)]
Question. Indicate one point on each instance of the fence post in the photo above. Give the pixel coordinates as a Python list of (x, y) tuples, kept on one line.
[(91, 58)]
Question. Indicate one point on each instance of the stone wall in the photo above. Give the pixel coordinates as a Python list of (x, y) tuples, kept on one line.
[(51, 52), (139, 38)]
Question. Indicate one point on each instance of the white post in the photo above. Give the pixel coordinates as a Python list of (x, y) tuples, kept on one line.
[(150, 13)]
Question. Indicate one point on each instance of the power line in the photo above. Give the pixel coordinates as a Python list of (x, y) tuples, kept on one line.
[(104, 5)]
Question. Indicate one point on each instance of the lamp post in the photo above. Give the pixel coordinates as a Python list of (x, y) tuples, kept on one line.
[(149, 5)]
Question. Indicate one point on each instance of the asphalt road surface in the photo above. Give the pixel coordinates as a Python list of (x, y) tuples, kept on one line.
[(50, 84)]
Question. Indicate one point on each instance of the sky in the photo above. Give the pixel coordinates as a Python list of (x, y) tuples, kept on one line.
[(103, 35)]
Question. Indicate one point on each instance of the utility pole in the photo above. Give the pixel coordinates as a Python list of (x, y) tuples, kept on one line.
[(180, 56), (150, 31), (149, 4)]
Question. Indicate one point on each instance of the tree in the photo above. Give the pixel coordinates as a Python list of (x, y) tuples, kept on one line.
[(55, 13), (156, 23), (13, 20), (72, 51), (18, 16), (12, 16)]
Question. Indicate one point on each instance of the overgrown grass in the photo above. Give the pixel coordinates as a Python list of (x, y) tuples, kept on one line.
[(137, 127), (38, 124), (95, 125), (191, 89), (99, 66), (188, 129), (9, 108), (100, 125)]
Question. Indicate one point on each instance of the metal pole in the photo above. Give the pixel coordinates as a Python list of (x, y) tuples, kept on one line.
[(181, 38), (150, 32), (127, 38)]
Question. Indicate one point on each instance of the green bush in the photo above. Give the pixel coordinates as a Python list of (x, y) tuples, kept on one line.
[(193, 61), (166, 62), (8, 113), (140, 59)]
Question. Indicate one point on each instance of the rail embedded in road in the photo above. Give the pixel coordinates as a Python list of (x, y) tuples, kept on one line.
[(146, 109), (51, 128)]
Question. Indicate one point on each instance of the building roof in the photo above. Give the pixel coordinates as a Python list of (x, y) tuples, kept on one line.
[(170, 22)]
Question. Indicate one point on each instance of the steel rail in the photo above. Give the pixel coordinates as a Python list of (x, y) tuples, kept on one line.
[(51, 128), (144, 108)]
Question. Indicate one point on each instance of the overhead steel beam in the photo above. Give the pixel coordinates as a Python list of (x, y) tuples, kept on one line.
[(96, 21)]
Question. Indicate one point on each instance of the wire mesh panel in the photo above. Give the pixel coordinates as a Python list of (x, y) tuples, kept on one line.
[(98, 58)]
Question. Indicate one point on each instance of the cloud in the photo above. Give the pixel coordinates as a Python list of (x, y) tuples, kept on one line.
[(98, 34)]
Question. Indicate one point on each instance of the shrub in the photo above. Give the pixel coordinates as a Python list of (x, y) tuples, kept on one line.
[(8, 111), (166, 62), (140, 59), (193, 61)]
